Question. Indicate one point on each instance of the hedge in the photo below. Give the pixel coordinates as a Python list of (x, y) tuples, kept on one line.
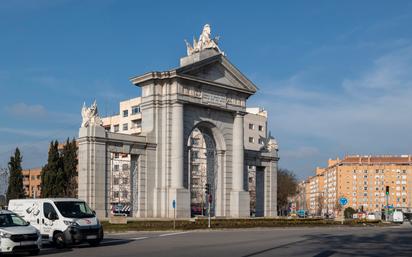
[(155, 225)]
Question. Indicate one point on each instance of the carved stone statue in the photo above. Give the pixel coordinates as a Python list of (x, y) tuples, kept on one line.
[(90, 115), (205, 42), (270, 144)]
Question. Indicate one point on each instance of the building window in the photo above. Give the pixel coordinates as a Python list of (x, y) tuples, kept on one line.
[(195, 141), (125, 180), (251, 140), (135, 109), (260, 128), (195, 168), (116, 167), (195, 154), (125, 127), (125, 113), (125, 167), (116, 128), (116, 155), (136, 123), (115, 181), (125, 193), (251, 126), (261, 142), (115, 194)]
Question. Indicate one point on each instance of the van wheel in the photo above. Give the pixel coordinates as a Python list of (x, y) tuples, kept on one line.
[(34, 252), (59, 240)]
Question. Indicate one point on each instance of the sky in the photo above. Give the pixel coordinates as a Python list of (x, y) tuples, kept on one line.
[(335, 76)]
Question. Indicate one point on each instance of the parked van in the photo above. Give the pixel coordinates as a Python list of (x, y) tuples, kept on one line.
[(17, 235), (397, 217), (61, 221)]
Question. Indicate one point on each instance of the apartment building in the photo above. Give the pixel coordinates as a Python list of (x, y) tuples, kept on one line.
[(362, 180), (129, 121), (32, 182)]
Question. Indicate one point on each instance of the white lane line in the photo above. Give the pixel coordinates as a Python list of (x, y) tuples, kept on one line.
[(115, 241), (139, 238), (172, 234)]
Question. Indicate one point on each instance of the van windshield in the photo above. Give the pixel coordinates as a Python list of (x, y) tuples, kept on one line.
[(74, 209), (11, 220)]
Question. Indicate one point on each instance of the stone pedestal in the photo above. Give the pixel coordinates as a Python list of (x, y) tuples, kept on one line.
[(182, 198), (239, 204)]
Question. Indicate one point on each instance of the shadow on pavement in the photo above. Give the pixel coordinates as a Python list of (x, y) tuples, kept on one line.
[(391, 242), (49, 249)]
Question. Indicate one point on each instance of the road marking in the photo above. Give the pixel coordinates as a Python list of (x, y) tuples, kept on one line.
[(172, 234), (139, 238), (115, 241)]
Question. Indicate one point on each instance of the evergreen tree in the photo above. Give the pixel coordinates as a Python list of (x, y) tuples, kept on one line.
[(15, 189), (69, 158), (49, 173)]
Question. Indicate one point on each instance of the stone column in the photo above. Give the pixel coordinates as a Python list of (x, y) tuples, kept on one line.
[(240, 199), (92, 168), (238, 153), (177, 146), (270, 186), (177, 191)]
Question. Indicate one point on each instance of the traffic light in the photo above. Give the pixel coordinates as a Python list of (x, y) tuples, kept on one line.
[(207, 188), (387, 190)]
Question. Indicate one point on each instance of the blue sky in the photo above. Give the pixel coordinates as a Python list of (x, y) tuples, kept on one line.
[(335, 76)]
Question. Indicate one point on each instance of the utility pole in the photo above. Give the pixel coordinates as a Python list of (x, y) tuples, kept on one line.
[(387, 204)]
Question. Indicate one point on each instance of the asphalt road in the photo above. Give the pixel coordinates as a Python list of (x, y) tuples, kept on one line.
[(317, 242)]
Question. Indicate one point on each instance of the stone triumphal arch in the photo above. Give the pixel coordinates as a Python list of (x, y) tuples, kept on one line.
[(205, 95)]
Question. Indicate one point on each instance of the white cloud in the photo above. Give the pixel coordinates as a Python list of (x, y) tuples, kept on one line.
[(300, 152), (367, 114), (25, 110), (391, 72)]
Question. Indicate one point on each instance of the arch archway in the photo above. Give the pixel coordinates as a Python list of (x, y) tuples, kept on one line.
[(203, 145)]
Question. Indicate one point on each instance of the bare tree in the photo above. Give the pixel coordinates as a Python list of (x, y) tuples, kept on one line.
[(287, 187)]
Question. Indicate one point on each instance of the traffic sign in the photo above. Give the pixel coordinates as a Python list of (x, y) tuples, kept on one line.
[(343, 201), (174, 204)]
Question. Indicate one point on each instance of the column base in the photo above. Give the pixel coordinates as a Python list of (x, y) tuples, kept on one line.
[(182, 198), (239, 204)]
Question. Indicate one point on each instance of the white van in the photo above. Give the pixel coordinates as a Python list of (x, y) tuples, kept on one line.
[(61, 221), (397, 217), (17, 235)]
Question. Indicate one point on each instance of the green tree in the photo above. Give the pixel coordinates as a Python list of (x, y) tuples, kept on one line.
[(349, 212), (59, 175), (287, 187), (52, 172), (15, 189), (69, 159)]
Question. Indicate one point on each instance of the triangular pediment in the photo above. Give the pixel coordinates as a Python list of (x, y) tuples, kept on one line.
[(219, 71)]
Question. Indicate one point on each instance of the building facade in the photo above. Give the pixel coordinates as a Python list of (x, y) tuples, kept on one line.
[(32, 182), (206, 93), (362, 180)]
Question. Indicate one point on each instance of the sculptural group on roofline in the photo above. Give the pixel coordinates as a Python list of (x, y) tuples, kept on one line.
[(204, 42), (90, 115)]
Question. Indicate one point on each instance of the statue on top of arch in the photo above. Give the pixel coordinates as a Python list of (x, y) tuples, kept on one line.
[(270, 144), (90, 115), (205, 42)]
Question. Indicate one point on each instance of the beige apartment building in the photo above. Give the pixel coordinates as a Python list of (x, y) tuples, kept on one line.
[(362, 180), (32, 182), (129, 121)]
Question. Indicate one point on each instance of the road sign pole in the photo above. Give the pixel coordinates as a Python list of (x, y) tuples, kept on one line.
[(174, 214), (387, 208), (208, 210)]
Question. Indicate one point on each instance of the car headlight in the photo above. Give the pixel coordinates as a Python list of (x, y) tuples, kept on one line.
[(5, 235), (71, 223)]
